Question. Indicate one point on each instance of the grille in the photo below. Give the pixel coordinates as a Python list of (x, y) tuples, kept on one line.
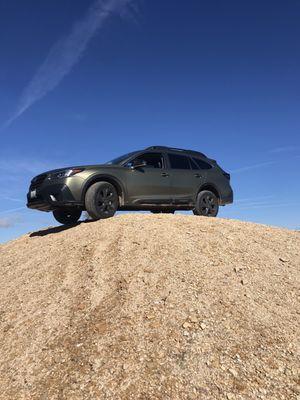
[(37, 181)]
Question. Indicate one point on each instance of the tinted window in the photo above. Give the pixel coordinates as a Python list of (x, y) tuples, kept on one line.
[(179, 162), (200, 164), (153, 160), (120, 159)]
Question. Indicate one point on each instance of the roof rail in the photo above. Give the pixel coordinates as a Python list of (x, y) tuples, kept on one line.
[(176, 149)]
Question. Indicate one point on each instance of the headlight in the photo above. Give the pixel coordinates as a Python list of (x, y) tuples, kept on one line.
[(65, 173)]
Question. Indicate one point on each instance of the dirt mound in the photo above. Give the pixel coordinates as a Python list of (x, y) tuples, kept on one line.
[(151, 307)]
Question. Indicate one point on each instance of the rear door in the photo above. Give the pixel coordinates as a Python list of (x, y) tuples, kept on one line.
[(186, 178), (149, 184)]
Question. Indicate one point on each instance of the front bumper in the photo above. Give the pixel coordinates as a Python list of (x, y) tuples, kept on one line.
[(50, 197)]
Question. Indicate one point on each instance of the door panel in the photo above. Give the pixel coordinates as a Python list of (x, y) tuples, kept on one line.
[(185, 185), (185, 181), (149, 184)]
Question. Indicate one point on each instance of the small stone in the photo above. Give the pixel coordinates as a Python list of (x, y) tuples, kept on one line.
[(296, 389), (150, 316), (185, 333), (243, 282), (193, 319), (284, 260), (202, 326), (262, 390), (148, 270), (230, 396), (186, 325), (233, 372)]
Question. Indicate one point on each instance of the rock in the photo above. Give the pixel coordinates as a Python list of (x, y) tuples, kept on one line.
[(150, 316), (193, 319), (284, 260), (230, 396), (186, 325), (233, 372), (202, 326)]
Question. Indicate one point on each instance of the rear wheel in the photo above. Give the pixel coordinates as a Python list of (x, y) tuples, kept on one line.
[(207, 204), (101, 200), (67, 216)]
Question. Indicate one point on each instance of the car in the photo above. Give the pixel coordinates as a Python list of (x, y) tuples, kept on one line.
[(159, 179)]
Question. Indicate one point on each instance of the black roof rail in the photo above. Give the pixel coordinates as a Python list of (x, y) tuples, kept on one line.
[(191, 152)]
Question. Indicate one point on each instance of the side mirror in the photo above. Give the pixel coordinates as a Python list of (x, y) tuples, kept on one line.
[(138, 164)]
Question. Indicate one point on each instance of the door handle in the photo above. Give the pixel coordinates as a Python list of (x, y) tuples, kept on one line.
[(165, 174), (198, 176)]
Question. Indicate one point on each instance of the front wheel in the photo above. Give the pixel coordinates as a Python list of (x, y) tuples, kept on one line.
[(67, 216), (207, 204), (101, 200)]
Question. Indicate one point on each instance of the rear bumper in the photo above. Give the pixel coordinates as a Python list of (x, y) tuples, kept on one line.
[(51, 197), (227, 198)]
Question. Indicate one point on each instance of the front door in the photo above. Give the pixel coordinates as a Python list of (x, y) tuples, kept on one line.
[(149, 184)]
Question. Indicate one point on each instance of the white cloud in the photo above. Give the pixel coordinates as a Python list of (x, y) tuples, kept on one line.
[(67, 52), (253, 166), (23, 166), (12, 210), (9, 222), (283, 149)]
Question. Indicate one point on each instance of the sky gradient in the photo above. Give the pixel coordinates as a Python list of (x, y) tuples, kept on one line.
[(218, 77)]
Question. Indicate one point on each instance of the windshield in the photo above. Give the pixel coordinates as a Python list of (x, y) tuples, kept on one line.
[(119, 160)]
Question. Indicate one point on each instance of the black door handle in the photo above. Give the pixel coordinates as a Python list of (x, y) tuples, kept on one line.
[(165, 174)]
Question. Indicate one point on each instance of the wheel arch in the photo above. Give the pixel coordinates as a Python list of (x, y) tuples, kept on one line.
[(212, 188), (105, 178)]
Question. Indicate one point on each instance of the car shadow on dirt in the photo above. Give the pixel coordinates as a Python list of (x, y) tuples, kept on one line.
[(57, 229)]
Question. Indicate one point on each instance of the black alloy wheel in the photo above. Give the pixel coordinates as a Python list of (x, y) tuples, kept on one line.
[(101, 200), (67, 216), (207, 204)]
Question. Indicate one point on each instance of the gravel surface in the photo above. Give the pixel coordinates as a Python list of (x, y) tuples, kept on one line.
[(151, 307)]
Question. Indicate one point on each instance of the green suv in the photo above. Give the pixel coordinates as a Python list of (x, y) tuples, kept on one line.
[(158, 179)]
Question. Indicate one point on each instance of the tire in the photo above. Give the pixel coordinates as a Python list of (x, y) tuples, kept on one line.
[(207, 204), (101, 200), (163, 211), (67, 216)]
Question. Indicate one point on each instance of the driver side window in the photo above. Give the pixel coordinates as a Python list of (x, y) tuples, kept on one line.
[(152, 160)]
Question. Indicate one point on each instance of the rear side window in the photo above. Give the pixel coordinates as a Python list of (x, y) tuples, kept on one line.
[(200, 164), (179, 162)]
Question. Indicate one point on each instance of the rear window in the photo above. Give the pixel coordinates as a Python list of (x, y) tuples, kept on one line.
[(179, 162), (200, 164)]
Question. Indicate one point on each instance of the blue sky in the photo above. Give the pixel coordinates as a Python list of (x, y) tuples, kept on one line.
[(82, 85)]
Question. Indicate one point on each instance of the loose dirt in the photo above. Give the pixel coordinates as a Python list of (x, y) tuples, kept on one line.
[(151, 307)]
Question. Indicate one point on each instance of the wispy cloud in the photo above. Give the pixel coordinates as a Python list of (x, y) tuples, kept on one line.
[(283, 149), (12, 210), (9, 222), (23, 165), (253, 199), (268, 205), (9, 198), (253, 166), (68, 51)]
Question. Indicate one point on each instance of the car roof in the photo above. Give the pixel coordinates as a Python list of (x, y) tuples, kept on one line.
[(176, 150)]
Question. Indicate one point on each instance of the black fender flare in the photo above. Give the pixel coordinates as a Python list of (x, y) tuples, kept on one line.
[(106, 178), (209, 186)]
